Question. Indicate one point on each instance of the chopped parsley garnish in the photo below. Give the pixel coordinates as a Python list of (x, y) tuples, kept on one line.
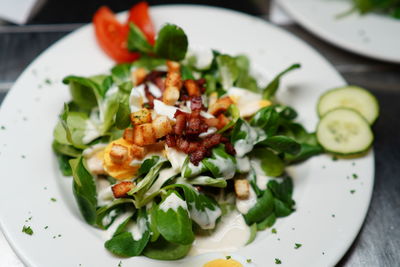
[(334, 158), (273, 230), (248, 260), (297, 245), (355, 176), (333, 215), (3, 127), (352, 191), (47, 81), (278, 261), (27, 230), (46, 227), (120, 264), (53, 199), (228, 257), (23, 156)]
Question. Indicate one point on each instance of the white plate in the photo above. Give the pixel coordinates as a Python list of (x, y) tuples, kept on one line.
[(371, 35), (30, 176)]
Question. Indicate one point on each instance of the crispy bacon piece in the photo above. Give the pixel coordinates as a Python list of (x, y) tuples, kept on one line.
[(230, 149), (154, 75), (170, 140), (212, 141), (201, 84), (212, 122), (222, 121), (121, 189), (196, 103)]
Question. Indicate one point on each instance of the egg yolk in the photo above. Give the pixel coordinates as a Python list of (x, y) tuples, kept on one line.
[(223, 263), (119, 171)]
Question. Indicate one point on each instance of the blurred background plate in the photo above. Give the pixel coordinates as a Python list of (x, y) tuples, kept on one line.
[(372, 35)]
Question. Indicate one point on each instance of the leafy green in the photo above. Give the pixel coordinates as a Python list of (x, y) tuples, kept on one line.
[(271, 164), (208, 181), (253, 233), (189, 170), (245, 80), (125, 243), (228, 70), (262, 209), (244, 137), (86, 92), (147, 164), (84, 189), (171, 43), (63, 163), (174, 223), (106, 215), (283, 202), (270, 90), (203, 209), (121, 73), (164, 250), (234, 112), (281, 143), (267, 119), (66, 150), (220, 164), (148, 62), (267, 222), (137, 41)]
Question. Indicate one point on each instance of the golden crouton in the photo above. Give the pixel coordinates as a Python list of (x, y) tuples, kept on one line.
[(212, 98), (141, 116), (121, 189), (128, 135), (161, 126), (192, 88), (119, 153), (144, 134), (242, 189), (221, 105), (123, 170), (173, 83), (138, 76)]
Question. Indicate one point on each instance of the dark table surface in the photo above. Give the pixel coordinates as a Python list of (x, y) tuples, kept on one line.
[(378, 243)]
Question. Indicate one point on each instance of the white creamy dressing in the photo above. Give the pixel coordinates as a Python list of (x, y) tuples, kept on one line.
[(209, 131), (243, 164), (262, 178), (244, 146), (154, 90), (105, 196), (163, 176), (205, 219), (91, 132), (138, 162), (226, 166), (230, 234), (175, 157), (173, 202), (137, 98), (90, 151), (137, 228), (244, 205), (247, 102), (203, 56), (114, 226)]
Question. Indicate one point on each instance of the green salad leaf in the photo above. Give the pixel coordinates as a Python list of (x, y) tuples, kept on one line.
[(270, 90), (164, 250), (171, 43), (137, 41)]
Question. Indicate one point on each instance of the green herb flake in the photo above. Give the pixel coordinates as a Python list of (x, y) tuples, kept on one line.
[(53, 199), (353, 164), (352, 191), (248, 260), (46, 227), (228, 257), (297, 245), (27, 230), (333, 215), (47, 81), (278, 261), (273, 230), (355, 176), (3, 127), (23, 156), (120, 264), (334, 158)]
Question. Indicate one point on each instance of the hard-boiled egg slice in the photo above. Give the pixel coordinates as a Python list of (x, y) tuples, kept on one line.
[(247, 102)]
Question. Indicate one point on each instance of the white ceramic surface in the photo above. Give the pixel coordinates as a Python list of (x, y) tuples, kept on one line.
[(328, 216), (372, 35)]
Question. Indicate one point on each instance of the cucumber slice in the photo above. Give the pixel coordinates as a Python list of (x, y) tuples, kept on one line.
[(353, 97), (344, 131)]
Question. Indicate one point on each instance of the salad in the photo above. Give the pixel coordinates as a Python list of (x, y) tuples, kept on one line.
[(178, 143)]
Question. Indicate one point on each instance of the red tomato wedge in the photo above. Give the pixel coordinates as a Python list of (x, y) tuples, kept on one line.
[(139, 15), (112, 36)]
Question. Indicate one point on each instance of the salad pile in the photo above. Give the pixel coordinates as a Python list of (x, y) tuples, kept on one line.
[(162, 148)]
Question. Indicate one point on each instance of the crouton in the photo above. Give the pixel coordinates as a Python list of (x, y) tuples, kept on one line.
[(192, 88), (144, 134), (173, 83), (161, 126), (118, 153), (220, 106), (128, 135), (121, 189), (138, 76), (242, 189), (141, 116), (222, 121), (212, 98)]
